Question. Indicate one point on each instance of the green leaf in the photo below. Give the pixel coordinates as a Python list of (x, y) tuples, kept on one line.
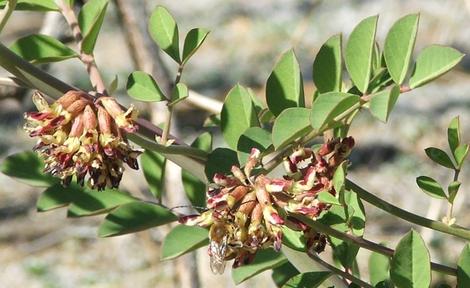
[(359, 50), (33, 5), (433, 62), (339, 177), (328, 198), (180, 92), (327, 66), (463, 268), (410, 265), (253, 137), (141, 86), (452, 189), (399, 45), (264, 260), (113, 85), (356, 213), (283, 273), (183, 239), (238, 114), (329, 105), (307, 280), (194, 188), (153, 165), (193, 41), (56, 196), (164, 31), (460, 154), (134, 217), (293, 239), (220, 160), (440, 157), (90, 19), (284, 88), (83, 201), (344, 252), (431, 187), (379, 266), (453, 134), (27, 167), (91, 202), (42, 49), (382, 103), (291, 124)]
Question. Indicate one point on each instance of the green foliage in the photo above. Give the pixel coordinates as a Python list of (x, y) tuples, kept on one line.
[(330, 105), (183, 239), (431, 187), (433, 62), (33, 5), (238, 114), (452, 189), (164, 31), (180, 92), (27, 168), (90, 19), (291, 124), (141, 86), (193, 41), (359, 51), (284, 88), (463, 268), (293, 239), (410, 265), (194, 188), (327, 66), (220, 160), (307, 280), (283, 273), (42, 49), (377, 78), (153, 166), (81, 201), (399, 46), (382, 103), (440, 157), (327, 198), (133, 217), (253, 137), (264, 260), (379, 266)]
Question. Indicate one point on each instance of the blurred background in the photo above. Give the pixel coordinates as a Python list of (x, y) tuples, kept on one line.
[(48, 250)]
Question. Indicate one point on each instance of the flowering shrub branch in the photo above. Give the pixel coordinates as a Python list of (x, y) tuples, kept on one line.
[(248, 212)]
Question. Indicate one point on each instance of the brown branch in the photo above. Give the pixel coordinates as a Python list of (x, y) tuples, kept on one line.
[(87, 59)]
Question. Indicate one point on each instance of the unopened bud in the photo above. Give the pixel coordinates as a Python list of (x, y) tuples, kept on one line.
[(110, 104), (104, 121), (71, 97), (89, 118), (238, 174), (77, 126), (77, 107)]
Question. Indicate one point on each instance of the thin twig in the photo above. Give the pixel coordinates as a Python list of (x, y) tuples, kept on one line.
[(361, 242), (6, 13), (87, 59), (406, 215), (341, 273)]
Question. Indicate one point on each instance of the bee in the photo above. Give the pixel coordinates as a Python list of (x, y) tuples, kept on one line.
[(218, 247)]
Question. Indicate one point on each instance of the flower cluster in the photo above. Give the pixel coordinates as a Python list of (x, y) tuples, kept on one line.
[(248, 212), (83, 137)]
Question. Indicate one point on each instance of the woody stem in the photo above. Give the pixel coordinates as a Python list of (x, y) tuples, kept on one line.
[(87, 58)]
